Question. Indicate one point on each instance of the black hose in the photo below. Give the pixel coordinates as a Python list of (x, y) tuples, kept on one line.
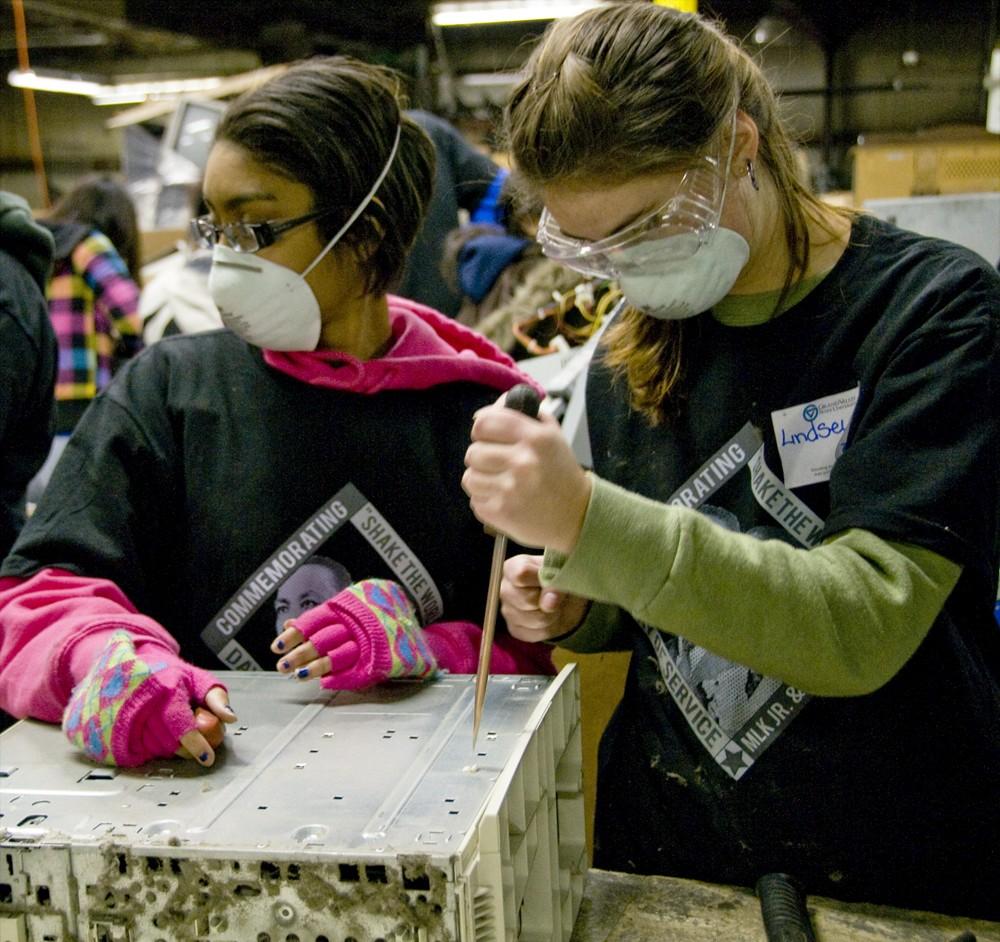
[(783, 907)]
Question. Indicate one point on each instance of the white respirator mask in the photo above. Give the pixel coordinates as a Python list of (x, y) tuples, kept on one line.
[(672, 284)]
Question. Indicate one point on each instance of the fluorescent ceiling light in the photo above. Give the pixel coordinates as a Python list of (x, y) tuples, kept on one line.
[(70, 85), (117, 99), (103, 93), (506, 11)]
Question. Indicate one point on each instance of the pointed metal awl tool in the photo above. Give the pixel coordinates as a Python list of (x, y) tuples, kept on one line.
[(524, 399)]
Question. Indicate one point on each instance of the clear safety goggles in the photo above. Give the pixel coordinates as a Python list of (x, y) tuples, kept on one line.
[(693, 211)]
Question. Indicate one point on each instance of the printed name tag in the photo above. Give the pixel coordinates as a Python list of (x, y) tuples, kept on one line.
[(811, 436)]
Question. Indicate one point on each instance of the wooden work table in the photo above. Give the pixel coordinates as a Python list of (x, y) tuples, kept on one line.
[(619, 907)]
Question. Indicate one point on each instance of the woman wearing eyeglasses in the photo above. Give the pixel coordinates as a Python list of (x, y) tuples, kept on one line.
[(327, 421), (794, 474)]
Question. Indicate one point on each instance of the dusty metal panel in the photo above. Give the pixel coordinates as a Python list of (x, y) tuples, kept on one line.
[(327, 817)]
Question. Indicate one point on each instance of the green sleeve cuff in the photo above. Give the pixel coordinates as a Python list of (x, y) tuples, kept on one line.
[(639, 535), (602, 630)]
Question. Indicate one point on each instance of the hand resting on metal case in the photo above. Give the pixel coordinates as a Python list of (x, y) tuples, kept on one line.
[(131, 708), (367, 633)]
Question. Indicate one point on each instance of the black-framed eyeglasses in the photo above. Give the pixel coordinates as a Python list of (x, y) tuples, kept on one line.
[(250, 237)]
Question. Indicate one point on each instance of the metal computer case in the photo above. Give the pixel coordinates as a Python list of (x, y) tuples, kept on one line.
[(328, 818)]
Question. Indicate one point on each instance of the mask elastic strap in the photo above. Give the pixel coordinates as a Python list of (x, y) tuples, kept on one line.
[(361, 207)]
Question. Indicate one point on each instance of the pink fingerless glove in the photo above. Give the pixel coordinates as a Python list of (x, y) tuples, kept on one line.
[(128, 710), (370, 632)]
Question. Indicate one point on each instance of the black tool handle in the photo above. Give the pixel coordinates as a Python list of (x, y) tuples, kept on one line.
[(784, 909), (522, 398)]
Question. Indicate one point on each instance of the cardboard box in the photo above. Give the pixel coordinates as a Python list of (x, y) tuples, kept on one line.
[(956, 159), (883, 172)]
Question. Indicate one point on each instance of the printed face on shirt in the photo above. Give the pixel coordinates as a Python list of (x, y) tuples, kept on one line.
[(311, 584), (237, 188)]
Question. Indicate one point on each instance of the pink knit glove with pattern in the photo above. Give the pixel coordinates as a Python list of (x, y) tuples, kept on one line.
[(370, 632), (128, 710)]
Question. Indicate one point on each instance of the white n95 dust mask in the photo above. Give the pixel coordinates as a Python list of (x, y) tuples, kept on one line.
[(267, 304), (671, 283)]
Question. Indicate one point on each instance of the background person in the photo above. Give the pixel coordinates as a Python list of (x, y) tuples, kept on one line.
[(464, 179), (93, 293), (327, 419), (93, 299), (27, 364), (793, 366)]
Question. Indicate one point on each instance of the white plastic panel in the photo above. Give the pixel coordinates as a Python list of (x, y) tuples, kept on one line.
[(970, 219)]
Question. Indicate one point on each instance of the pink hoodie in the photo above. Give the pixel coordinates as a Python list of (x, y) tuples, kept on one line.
[(54, 624), (428, 350)]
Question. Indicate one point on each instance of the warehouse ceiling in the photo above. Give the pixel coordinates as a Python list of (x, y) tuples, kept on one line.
[(400, 23), (62, 31), (121, 40)]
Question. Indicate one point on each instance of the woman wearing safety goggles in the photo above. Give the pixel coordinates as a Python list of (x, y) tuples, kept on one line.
[(791, 518)]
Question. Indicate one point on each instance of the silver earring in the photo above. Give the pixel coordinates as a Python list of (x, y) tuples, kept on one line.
[(752, 173)]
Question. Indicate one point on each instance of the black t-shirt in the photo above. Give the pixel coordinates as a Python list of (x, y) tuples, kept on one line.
[(202, 478), (893, 796)]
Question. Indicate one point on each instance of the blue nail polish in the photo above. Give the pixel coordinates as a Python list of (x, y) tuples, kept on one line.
[(203, 757), (303, 672), (280, 645), (285, 665)]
